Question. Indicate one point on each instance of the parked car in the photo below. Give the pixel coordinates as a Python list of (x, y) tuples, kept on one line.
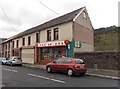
[(70, 66), (15, 60), (3, 60)]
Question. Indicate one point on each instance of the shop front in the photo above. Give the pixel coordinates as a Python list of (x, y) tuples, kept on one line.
[(51, 50), (46, 52)]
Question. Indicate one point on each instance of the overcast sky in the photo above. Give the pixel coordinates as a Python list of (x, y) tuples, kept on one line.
[(19, 15)]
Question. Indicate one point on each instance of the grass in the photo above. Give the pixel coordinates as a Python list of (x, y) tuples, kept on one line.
[(106, 41)]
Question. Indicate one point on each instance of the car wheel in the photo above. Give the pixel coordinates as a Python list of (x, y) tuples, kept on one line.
[(70, 72), (49, 69)]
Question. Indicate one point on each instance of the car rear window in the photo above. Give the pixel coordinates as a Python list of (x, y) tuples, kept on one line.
[(79, 61), (19, 58)]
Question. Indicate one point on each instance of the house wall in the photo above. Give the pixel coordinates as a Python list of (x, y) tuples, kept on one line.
[(85, 47), (27, 53), (65, 32), (84, 21), (84, 33)]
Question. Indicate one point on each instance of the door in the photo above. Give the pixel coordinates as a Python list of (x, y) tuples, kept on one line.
[(28, 56), (58, 64)]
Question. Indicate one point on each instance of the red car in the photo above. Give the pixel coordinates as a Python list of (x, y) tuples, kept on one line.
[(67, 65)]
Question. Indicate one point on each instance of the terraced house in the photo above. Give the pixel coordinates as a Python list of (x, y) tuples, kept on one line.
[(63, 36)]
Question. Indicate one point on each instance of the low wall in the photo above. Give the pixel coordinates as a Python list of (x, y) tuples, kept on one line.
[(104, 60)]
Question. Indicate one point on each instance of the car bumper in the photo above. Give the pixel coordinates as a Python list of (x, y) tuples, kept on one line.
[(80, 70), (16, 63)]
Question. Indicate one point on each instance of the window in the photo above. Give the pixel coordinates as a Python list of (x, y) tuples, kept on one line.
[(37, 38), (60, 60), (56, 35), (23, 41), (48, 35), (84, 15), (29, 40), (68, 61), (6, 46), (13, 44), (53, 53), (79, 61), (17, 44), (9, 46)]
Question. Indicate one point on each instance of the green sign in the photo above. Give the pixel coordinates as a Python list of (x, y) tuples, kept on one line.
[(78, 44)]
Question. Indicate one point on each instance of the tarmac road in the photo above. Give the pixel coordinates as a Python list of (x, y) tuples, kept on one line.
[(20, 76)]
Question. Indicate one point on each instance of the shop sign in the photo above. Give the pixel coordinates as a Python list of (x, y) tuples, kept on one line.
[(67, 41), (52, 44), (77, 44)]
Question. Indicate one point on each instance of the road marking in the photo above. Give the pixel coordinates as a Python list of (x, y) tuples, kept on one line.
[(43, 77), (56, 80), (32, 75), (6, 69), (2, 85), (9, 70), (14, 70)]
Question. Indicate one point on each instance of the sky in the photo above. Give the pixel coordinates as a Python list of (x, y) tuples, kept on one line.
[(19, 15)]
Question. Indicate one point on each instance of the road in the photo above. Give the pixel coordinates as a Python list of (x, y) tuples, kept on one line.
[(20, 76)]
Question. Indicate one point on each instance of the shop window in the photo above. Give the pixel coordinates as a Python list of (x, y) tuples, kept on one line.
[(56, 34), (37, 38), (53, 53), (17, 44), (23, 41), (48, 35), (29, 40)]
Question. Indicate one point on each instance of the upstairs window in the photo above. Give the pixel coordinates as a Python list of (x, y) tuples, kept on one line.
[(37, 38), (84, 15), (9, 46), (56, 34), (17, 43), (23, 41), (29, 40), (48, 35), (13, 44)]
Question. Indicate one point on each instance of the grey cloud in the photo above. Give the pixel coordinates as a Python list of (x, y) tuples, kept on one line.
[(11, 19), (72, 5), (8, 28), (33, 18)]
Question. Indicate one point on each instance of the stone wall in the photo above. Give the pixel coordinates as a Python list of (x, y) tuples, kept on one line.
[(104, 60)]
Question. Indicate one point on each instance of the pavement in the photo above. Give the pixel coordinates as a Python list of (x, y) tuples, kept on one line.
[(103, 73)]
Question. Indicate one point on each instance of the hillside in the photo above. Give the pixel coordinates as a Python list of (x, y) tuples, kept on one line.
[(106, 39)]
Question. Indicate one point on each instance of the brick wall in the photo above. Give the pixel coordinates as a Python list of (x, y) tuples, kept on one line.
[(104, 60)]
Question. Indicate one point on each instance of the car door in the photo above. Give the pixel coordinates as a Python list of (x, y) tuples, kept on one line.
[(66, 64), (58, 64)]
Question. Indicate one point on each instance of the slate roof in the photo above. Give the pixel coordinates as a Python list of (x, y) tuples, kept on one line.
[(59, 20)]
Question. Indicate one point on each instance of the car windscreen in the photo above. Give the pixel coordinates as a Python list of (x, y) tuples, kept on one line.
[(79, 61)]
